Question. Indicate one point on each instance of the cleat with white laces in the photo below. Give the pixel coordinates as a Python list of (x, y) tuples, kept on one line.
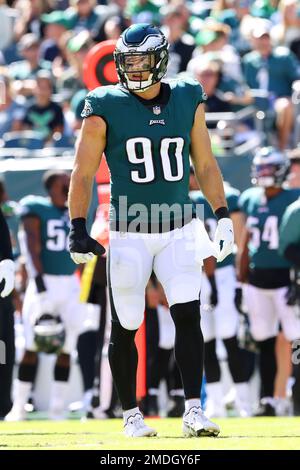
[(196, 424), (135, 426)]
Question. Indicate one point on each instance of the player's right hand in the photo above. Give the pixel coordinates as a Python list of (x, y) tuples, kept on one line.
[(7, 277), (82, 247)]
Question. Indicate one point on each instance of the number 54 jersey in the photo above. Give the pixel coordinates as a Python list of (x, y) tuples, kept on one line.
[(263, 221), (54, 230), (148, 143)]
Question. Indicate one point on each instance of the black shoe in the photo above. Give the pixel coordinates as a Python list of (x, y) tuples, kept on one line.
[(95, 413), (152, 405), (265, 409), (177, 409)]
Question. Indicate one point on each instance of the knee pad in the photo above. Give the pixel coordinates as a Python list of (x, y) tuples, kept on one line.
[(28, 367), (186, 315), (183, 289), (62, 368), (128, 310)]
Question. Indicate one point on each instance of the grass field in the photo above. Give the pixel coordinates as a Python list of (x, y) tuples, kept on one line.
[(254, 433)]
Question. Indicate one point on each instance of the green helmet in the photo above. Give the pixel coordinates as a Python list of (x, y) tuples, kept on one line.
[(145, 41), (49, 334)]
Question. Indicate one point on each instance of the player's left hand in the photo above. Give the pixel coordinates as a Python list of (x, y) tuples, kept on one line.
[(238, 299), (82, 247), (224, 238), (7, 274)]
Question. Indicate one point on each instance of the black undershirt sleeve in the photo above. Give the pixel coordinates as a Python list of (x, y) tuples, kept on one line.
[(292, 253), (5, 243)]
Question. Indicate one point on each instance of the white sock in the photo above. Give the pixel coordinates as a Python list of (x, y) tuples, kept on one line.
[(130, 412), (214, 392), (22, 393), (87, 398), (242, 399), (191, 403), (59, 390), (242, 392)]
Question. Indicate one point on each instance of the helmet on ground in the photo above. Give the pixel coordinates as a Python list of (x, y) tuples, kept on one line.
[(49, 334)]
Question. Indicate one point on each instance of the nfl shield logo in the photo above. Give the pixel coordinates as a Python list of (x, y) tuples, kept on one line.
[(156, 110)]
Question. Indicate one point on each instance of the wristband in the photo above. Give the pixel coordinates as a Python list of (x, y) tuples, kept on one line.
[(222, 213), (39, 282), (79, 226)]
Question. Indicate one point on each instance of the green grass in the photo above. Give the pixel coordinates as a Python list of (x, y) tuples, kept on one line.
[(254, 433)]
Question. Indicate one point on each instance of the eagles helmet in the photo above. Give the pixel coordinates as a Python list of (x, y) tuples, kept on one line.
[(141, 48), (269, 167), (49, 334)]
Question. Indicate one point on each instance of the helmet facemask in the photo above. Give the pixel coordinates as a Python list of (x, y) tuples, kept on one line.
[(267, 174), (132, 71)]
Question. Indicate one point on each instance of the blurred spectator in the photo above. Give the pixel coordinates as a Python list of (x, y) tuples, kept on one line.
[(29, 20), (294, 173), (113, 28), (237, 93), (7, 18), (44, 116), (12, 111), (56, 24), (273, 70), (181, 43), (77, 47), (287, 31), (224, 94), (213, 37), (263, 8), (111, 18), (82, 14), (233, 13), (23, 72), (143, 11)]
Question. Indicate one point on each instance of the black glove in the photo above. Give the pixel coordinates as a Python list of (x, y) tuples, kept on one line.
[(82, 247), (213, 299), (238, 299), (293, 293)]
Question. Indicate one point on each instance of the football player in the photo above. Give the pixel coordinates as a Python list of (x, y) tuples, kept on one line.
[(219, 315), (263, 269), (7, 280), (7, 266), (53, 288), (289, 247), (147, 129)]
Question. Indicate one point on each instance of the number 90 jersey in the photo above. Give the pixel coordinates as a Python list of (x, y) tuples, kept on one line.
[(147, 146), (54, 229), (263, 221)]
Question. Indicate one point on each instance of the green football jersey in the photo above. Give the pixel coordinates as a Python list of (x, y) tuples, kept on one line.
[(263, 221), (147, 148), (289, 232), (232, 198), (54, 226)]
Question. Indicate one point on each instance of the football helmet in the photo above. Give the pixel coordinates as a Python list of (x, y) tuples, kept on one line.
[(141, 48), (269, 167), (49, 334)]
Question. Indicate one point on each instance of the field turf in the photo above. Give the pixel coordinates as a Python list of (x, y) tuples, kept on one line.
[(254, 433)]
